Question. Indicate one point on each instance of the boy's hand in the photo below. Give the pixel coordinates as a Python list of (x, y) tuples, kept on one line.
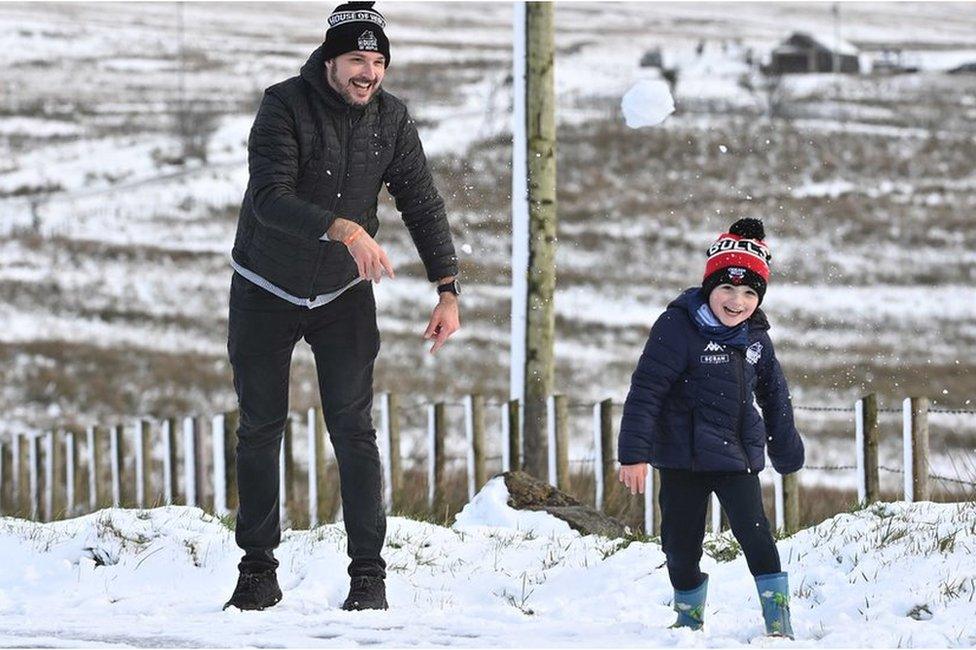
[(634, 477)]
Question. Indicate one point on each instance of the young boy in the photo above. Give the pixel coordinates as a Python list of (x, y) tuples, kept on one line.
[(690, 414)]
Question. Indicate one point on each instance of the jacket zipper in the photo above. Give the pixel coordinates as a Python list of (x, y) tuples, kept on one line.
[(741, 374), (340, 182)]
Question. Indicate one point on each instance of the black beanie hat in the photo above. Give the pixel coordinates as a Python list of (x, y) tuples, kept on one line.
[(739, 257), (356, 26)]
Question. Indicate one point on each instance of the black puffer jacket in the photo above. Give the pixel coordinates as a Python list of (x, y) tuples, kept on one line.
[(313, 158)]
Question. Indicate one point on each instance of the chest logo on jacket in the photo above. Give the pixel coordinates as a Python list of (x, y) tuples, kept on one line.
[(754, 352), (714, 347), (714, 358)]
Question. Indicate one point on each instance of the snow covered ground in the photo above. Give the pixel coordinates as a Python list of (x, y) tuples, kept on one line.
[(890, 575), (113, 260)]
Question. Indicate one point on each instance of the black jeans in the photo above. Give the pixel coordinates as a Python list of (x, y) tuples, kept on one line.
[(684, 500), (262, 334)]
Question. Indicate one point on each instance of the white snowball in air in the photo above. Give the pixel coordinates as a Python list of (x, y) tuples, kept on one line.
[(647, 103)]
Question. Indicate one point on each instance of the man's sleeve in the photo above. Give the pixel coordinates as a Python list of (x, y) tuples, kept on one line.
[(272, 159), (662, 362), (784, 445), (409, 181)]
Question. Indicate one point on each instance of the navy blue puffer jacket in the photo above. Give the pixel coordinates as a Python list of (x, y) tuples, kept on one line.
[(690, 404)]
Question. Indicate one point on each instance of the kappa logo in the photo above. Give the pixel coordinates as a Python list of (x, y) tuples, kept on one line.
[(714, 347), (754, 352), (367, 41)]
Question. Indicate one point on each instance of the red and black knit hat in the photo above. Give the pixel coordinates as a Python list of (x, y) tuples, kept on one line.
[(739, 257), (356, 26)]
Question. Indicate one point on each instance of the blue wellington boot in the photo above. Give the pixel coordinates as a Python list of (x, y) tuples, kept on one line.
[(774, 595), (690, 606)]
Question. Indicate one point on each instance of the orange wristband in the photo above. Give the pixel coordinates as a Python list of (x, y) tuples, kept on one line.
[(353, 237)]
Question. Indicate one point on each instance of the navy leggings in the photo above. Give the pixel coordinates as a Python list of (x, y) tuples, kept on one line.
[(684, 499)]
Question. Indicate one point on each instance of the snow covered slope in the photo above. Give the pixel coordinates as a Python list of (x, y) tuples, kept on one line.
[(891, 575)]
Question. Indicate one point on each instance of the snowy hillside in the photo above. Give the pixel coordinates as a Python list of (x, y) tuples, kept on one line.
[(891, 575), (114, 251)]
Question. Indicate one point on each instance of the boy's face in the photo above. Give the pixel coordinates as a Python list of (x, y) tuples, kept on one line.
[(733, 304)]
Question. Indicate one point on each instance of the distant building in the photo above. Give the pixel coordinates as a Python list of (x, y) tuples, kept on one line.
[(802, 53), (893, 61), (965, 68)]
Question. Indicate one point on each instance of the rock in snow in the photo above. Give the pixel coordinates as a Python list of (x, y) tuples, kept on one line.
[(518, 500), (647, 103)]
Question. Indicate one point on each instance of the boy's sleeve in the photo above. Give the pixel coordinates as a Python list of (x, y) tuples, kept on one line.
[(773, 395), (662, 362)]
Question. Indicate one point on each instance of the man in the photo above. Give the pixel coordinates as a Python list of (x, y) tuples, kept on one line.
[(321, 147)]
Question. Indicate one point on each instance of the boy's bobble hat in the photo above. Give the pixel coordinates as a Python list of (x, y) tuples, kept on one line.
[(739, 257), (356, 26)]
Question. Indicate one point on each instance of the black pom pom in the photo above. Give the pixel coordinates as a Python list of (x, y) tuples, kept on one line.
[(748, 228), (359, 6)]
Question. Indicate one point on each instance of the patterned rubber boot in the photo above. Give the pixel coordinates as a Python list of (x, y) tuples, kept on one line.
[(774, 594), (690, 606)]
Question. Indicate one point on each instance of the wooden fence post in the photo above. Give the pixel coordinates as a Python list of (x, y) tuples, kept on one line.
[(6, 483), (170, 478), (557, 420), (314, 453), (33, 460), (915, 443), (512, 433), (474, 424), (232, 420), (143, 462), (716, 514), (791, 502), (218, 426), (778, 502), (866, 448), (204, 465), (72, 475), (652, 505), (436, 430), (17, 472), (54, 471), (390, 425), (92, 455), (190, 443), (116, 455), (607, 458), (286, 475)]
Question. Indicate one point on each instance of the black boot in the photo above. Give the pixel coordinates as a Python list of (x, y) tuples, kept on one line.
[(366, 592), (255, 591)]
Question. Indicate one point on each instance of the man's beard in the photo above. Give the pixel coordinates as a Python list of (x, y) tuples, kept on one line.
[(343, 90)]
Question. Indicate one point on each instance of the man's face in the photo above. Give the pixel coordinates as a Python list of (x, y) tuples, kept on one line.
[(356, 76)]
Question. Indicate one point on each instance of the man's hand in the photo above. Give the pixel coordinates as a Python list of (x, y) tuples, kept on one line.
[(444, 321), (634, 477), (371, 259)]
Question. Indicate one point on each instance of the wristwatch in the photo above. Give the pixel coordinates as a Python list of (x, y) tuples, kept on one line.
[(450, 287)]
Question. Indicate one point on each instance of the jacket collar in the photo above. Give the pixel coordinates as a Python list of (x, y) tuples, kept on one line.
[(692, 300)]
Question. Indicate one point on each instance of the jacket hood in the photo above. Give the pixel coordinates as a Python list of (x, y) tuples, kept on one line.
[(691, 298), (313, 72)]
